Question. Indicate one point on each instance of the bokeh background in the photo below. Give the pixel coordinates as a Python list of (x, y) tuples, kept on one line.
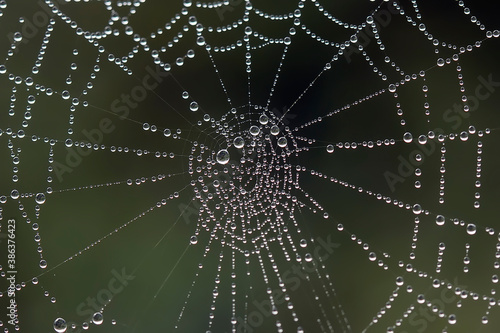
[(79, 213)]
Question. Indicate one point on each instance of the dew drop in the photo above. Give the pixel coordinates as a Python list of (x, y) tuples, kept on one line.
[(399, 281), (282, 142), (254, 130), (193, 240), (440, 62), (263, 119), (14, 194), (464, 136), (193, 106), (223, 156), (275, 130), (43, 264), (18, 36), (440, 220), (408, 137), (330, 149), (167, 132), (60, 325), (372, 256), (422, 139), (40, 198), (97, 318), (452, 319), (471, 229), (239, 142), (392, 88), (417, 209)]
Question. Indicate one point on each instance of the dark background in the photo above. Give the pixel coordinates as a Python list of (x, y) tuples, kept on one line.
[(71, 221)]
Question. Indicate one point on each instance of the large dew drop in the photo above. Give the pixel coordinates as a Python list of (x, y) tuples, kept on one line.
[(60, 325), (239, 142), (223, 156), (254, 130), (282, 142), (417, 209), (97, 318), (40, 198), (193, 106), (440, 220), (407, 137), (471, 229)]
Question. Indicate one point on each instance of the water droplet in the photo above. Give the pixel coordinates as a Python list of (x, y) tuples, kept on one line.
[(223, 156), (193, 240), (239, 142), (14, 194), (263, 119), (275, 130), (330, 148), (422, 139), (392, 88), (185, 95), (408, 137), (440, 220), (464, 136), (40, 198), (18, 36), (254, 130), (303, 243), (193, 106), (43, 263), (282, 142), (354, 39), (440, 62), (471, 229), (372, 256), (399, 281), (60, 325), (97, 318), (417, 209), (452, 319), (167, 132)]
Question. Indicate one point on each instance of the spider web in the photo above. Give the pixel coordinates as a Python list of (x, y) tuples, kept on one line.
[(245, 166)]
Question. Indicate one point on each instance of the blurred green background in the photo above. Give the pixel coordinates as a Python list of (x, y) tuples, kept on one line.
[(79, 213)]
